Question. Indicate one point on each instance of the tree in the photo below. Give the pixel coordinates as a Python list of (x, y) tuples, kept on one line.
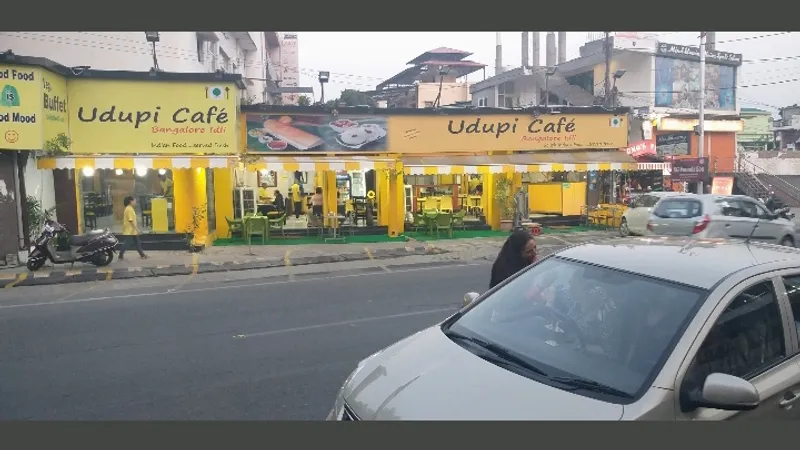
[(351, 97), (303, 100)]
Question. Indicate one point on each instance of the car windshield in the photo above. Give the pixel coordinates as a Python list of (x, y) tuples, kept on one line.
[(565, 320)]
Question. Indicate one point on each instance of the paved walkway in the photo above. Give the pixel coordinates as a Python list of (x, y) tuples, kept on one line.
[(234, 258)]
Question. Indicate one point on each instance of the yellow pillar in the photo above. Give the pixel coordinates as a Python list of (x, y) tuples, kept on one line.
[(329, 201), (182, 192), (396, 194), (223, 199), (490, 209), (382, 192), (199, 210)]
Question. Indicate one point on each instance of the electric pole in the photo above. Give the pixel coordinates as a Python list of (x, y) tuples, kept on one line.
[(702, 107), (607, 82)]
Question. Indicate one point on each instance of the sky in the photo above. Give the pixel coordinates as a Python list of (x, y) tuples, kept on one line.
[(367, 58)]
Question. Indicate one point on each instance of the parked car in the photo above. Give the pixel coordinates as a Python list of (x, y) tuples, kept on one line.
[(665, 328), (634, 219), (721, 216)]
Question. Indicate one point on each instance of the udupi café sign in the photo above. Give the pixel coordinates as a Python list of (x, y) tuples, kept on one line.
[(428, 133), (156, 117)]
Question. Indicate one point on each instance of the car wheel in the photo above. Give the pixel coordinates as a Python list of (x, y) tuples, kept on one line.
[(787, 241), (623, 228)]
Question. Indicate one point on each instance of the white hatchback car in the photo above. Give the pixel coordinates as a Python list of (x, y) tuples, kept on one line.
[(635, 218)]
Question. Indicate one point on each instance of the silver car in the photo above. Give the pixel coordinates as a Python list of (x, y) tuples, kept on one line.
[(720, 216), (634, 219), (628, 329)]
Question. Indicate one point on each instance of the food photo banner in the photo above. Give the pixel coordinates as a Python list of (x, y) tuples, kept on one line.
[(433, 134)]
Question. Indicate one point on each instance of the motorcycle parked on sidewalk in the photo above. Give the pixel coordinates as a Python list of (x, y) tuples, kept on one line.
[(58, 245)]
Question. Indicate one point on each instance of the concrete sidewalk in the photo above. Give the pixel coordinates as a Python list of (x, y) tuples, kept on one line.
[(237, 258), (213, 259)]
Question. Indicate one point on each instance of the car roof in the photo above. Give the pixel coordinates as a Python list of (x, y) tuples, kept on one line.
[(697, 262)]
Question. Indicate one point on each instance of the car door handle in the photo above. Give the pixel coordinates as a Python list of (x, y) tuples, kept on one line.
[(727, 225), (788, 400)]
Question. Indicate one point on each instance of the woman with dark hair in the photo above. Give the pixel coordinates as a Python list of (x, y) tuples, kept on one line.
[(518, 252)]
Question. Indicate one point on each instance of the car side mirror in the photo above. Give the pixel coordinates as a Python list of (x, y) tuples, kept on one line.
[(725, 392), (470, 297)]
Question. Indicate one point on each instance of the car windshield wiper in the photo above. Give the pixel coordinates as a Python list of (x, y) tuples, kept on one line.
[(497, 354), (588, 385)]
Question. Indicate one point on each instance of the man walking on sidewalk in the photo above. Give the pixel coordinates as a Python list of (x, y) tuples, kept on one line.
[(130, 229)]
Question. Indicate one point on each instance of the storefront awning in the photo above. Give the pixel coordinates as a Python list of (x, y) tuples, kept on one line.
[(318, 164), (519, 163), (109, 162)]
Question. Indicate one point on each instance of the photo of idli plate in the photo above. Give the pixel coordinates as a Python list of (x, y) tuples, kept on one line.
[(360, 136)]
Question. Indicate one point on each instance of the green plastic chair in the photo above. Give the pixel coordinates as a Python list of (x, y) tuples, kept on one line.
[(277, 223), (234, 226), (458, 220), (430, 220), (258, 226), (419, 222), (444, 222)]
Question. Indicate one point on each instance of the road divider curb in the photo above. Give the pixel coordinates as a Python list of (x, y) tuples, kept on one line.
[(125, 273)]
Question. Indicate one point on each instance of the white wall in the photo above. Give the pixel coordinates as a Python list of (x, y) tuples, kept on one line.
[(525, 91), (490, 94), (636, 87), (289, 66), (776, 163), (39, 184)]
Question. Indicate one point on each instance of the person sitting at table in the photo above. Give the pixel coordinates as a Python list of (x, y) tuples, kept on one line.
[(479, 189), (166, 185), (263, 194), (279, 203), (316, 202)]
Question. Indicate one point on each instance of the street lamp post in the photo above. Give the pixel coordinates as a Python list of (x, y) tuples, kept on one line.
[(617, 75), (152, 37), (323, 78)]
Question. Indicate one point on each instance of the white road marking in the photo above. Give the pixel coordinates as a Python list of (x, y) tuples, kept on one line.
[(344, 323), (237, 286)]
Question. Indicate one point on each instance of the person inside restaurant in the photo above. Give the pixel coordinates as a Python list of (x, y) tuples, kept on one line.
[(166, 185), (316, 202), (265, 203), (278, 201)]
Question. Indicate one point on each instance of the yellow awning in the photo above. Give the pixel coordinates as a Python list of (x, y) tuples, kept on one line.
[(318, 163), (563, 161), (136, 162)]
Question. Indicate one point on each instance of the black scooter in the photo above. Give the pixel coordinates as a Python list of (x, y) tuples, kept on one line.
[(60, 247)]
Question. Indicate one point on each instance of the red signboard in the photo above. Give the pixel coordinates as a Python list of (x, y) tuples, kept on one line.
[(641, 148)]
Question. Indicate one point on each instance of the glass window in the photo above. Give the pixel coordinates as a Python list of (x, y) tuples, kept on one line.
[(679, 209), (582, 321), (732, 208), (103, 192), (792, 285), (746, 339)]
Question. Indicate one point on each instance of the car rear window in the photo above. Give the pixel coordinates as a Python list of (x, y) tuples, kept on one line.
[(678, 209)]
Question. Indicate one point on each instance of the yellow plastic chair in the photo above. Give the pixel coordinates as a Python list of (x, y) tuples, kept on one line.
[(446, 204)]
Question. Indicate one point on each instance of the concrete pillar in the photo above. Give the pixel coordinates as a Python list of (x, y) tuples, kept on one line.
[(525, 49), (550, 52), (562, 47), (535, 50)]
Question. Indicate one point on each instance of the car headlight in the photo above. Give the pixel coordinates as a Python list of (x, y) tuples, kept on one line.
[(338, 405)]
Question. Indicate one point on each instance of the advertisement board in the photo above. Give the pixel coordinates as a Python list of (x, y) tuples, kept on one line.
[(434, 133), (20, 108), (111, 116), (55, 107), (689, 170)]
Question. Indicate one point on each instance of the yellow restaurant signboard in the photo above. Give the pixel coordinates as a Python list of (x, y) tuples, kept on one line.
[(20, 108), (55, 111), (506, 132), (111, 116)]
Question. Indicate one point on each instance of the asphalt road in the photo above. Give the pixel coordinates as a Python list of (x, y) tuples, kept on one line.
[(248, 348)]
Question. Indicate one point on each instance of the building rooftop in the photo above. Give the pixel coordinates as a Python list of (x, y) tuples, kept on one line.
[(438, 53), (450, 110), (87, 72), (753, 112)]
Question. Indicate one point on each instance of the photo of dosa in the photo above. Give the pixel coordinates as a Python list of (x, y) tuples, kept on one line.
[(315, 133), (297, 138)]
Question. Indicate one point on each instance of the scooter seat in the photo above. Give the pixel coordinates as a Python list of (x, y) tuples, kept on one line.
[(80, 240)]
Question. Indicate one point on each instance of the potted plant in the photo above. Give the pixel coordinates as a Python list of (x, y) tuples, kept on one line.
[(198, 216), (505, 201)]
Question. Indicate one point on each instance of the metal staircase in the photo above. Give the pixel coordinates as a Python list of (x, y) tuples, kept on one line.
[(757, 182)]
